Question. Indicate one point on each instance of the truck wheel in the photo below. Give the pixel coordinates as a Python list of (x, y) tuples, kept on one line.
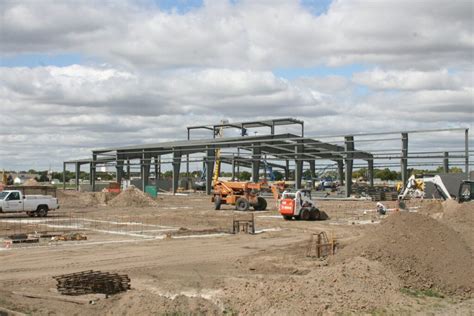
[(261, 204), (217, 203), (42, 211), (305, 214), (314, 214), (287, 217), (242, 204)]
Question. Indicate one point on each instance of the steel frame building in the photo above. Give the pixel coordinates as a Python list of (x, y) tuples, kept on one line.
[(254, 152)]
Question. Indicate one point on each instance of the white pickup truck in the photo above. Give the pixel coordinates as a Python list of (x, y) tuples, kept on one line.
[(13, 201)]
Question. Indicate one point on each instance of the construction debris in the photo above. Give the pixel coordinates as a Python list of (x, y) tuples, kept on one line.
[(92, 282), (21, 238), (71, 236), (320, 245)]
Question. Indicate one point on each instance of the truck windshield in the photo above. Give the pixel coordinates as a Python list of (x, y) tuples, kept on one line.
[(3, 195)]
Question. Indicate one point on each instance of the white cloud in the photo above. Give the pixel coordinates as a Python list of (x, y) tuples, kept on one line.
[(413, 80), (158, 72), (248, 34)]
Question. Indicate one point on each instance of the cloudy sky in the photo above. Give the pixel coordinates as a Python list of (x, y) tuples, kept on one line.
[(77, 75)]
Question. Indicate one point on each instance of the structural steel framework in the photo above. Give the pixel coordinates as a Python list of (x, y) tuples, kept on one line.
[(276, 150)]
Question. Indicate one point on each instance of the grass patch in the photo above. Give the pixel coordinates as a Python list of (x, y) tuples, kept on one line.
[(421, 293)]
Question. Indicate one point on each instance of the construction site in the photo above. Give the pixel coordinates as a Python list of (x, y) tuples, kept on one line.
[(204, 240)]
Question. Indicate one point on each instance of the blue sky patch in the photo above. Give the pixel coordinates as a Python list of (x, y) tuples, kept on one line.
[(319, 71), (181, 6), (316, 7), (40, 60)]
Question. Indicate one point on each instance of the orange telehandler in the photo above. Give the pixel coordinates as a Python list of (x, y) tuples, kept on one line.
[(244, 194)]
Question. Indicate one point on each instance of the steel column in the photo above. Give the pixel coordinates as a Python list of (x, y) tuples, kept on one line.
[(64, 176), (256, 157), (93, 171), (156, 170), (78, 171), (340, 171), (446, 162), (349, 148), (233, 168), (128, 169), (176, 167), (211, 155), (312, 168), (466, 153), (119, 169), (404, 160), (370, 172), (298, 166)]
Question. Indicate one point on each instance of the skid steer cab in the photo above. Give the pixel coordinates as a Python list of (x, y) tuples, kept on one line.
[(298, 205)]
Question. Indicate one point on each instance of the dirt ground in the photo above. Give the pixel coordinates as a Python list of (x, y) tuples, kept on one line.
[(182, 259)]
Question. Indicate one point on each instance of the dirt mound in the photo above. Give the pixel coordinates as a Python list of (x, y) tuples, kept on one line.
[(132, 197), (422, 251), (74, 199), (144, 303), (460, 217), (430, 207), (352, 286), (30, 182)]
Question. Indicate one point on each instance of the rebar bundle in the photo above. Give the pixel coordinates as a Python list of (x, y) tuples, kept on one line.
[(92, 282)]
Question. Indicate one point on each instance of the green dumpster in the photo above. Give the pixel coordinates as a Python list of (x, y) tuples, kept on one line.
[(151, 191)]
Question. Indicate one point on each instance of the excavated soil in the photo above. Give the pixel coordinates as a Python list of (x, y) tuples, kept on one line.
[(460, 217), (354, 285), (146, 303), (74, 199), (132, 197), (30, 182), (424, 253)]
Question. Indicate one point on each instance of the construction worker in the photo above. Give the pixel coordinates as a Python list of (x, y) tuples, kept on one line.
[(381, 209)]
